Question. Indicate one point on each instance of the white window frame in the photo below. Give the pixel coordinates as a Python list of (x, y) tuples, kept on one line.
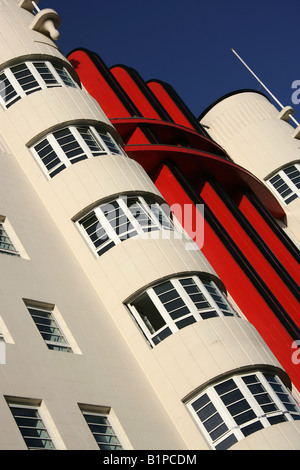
[(137, 229), (41, 415), (66, 162), (261, 415), (295, 191), (194, 313), (112, 420), (20, 251), (10, 251), (38, 78), (67, 343)]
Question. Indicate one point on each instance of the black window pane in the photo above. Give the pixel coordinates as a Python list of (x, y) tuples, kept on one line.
[(225, 386), (226, 443), (161, 336), (232, 397), (277, 419), (185, 322), (251, 428), (149, 313), (200, 402)]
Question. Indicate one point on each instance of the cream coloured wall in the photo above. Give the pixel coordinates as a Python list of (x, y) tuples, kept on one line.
[(115, 366)]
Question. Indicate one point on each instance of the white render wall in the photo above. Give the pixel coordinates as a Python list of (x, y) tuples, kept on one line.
[(102, 372), (253, 133), (113, 364)]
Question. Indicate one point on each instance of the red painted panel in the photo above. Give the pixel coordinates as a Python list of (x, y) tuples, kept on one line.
[(137, 137), (97, 85), (238, 285), (134, 92), (252, 253), (169, 104), (267, 234)]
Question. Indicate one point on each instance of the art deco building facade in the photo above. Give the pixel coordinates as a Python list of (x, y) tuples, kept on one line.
[(120, 331)]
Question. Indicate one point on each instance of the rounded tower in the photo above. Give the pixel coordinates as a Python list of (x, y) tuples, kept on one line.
[(217, 382), (259, 137)]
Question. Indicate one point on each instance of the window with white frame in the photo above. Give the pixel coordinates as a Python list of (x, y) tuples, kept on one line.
[(128, 216), (45, 321), (102, 429), (287, 183), (31, 426), (6, 244), (241, 405), (23, 79), (71, 144), (176, 303)]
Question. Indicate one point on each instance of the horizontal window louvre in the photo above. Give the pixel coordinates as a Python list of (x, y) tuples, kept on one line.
[(109, 142), (102, 431), (90, 140), (48, 328), (31, 427), (45, 73), (65, 77), (25, 78), (6, 245)]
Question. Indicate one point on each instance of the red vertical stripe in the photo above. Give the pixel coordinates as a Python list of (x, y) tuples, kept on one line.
[(134, 92), (237, 283), (169, 104), (267, 234), (96, 84), (252, 253)]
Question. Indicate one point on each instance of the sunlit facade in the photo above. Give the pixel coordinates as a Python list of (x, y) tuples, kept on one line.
[(120, 329)]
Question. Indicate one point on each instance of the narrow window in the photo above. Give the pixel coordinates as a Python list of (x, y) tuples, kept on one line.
[(45, 321), (101, 427), (120, 219), (235, 408), (31, 426), (287, 183), (6, 244), (174, 304)]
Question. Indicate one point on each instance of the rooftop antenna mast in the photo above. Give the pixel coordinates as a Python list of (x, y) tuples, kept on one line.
[(262, 84)]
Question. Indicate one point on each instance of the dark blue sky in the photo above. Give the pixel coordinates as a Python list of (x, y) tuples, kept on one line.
[(188, 43)]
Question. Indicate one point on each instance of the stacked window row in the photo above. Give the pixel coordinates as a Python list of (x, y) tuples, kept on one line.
[(37, 434), (225, 413), (65, 146), (109, 224), (287, 183)]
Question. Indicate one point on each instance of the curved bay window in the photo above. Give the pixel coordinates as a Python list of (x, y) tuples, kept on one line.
[(125, 217), (176, 303), (28, 77), (71, 144), (241, 405)]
